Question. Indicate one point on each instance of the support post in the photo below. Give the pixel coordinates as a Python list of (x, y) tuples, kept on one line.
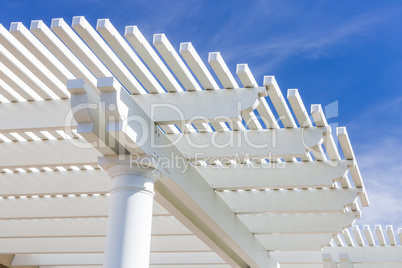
[(128, 235)]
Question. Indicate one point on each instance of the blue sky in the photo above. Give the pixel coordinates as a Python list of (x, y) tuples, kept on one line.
[(345, 51)]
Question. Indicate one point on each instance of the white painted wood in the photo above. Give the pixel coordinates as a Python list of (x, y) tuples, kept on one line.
[(221, 70), (358, 236), (391, 235), (348, 238), (261, 144), (245, 76), (175, 63), (48, 153), (196, 65), (294, 241), (368, 255), (298, 222), (298, 108), (149, 56), (289, 201), (368, 235), (279, 102), (6, 92), (79, 48), (59, 207), (28, 116), (380, 235), (80, 227), (329, 143), (338, 241), (16, 84), (26, 75), (54, 183), (184, 107), (160, 259), (127, 55), (22, 34), (274, 175), (104, 53), (266, 114), (31, 62), (62, 52), (187, 243)]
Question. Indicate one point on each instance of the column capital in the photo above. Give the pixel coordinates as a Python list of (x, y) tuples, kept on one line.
[(144, 165)]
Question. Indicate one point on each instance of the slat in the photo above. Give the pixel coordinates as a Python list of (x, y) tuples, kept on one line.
[(127, 55), (391, 235), (348, 238), (369, 257), (149, 56), (63, 53), (400, 235), (19, 31), (338, 241), (279, 102), (266, 114), (157, 259), (294, 241), (16, 83), (79, 48), (47, 153), (198, 67), (380, 235), (25, 75), (368, 235), (54, 183), (222, 71), (298, 222), (60, 207), (103, 51), (32, 63), (262, 143), (5, 91), (28, 116), (298, 108), (245, 76), (275, 175), (80, 227), (175, 63), (358, 235), (354, 170), (289, 201), (187, 243), (329, 143)]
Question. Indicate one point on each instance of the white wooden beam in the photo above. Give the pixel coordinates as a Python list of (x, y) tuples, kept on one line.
[(391, 235), (157, 258), (279, 102), (380, 235), (222, 71), (184, 107), (28, 116), (358, 235), (48, 153), (70, 206), (176, 64), (105, 53), (263, 143), (274, 175), (81, 227), (19, 31), (245, 76), (371, 256), (127, 55), (54, 183), (62, 52), (298, 222), (32, 63), (186, 243), (289, 201), (294, 241), (198, 67), (79, 48), (368, 235), (149, 56)]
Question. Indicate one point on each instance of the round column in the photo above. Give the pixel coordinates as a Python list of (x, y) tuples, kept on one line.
[(128, 235)]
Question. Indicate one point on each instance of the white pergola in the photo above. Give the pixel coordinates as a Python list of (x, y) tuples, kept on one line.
[(113, 155)]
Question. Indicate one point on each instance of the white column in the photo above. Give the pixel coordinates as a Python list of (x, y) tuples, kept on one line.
[(128, 236)]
